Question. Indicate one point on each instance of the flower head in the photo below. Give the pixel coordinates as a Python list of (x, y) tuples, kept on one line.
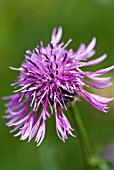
[(52, 76)]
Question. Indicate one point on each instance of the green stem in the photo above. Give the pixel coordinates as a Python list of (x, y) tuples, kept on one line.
[(86, 148)]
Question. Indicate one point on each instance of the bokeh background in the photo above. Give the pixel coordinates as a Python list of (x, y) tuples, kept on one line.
[(23, 23)]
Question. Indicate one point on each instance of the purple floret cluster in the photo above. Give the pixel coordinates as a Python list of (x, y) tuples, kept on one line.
[(50, 77)]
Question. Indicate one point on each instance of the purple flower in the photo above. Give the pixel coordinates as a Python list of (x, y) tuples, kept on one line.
[(52, 76)]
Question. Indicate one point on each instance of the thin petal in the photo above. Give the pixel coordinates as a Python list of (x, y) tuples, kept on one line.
[(91, 45), (56, 36), (100, 72), (81, 49), (96, 61), (99, 85)]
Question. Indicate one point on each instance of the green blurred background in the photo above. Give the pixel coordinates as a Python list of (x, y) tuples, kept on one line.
[(23, 23)]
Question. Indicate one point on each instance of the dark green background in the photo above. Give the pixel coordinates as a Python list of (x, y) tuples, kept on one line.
[(23, 23)]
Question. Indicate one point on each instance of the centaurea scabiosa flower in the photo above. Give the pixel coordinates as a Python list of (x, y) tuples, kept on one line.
[(52, 76)]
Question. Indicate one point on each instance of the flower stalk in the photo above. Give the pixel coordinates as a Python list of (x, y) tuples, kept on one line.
[(91, 161)]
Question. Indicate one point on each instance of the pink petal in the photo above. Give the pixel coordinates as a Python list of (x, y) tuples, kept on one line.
[(91, 45), (56, 36), (96, 61)]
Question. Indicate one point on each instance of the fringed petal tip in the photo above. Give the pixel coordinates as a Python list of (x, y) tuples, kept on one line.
[(91, 45), (96, 61), (16, 69), (56, 35), (6, 98)]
